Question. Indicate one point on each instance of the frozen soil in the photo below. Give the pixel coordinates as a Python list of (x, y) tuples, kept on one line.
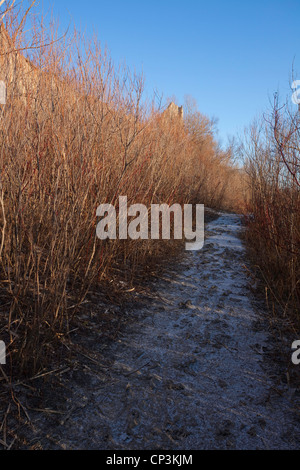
[(196, 368)]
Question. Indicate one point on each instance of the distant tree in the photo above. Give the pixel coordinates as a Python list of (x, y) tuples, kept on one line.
[(200, 127)]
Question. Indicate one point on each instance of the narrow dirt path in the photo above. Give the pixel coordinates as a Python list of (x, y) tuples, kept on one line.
[(191, 372)]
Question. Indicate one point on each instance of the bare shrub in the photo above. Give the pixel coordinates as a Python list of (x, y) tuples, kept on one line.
[(273, 165), (76, 132)]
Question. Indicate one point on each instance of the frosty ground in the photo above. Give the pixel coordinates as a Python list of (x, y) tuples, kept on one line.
[(194, 370)]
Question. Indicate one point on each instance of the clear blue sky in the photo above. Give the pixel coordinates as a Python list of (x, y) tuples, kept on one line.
[(230, 55)]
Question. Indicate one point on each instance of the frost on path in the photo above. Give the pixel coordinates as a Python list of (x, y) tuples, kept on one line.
[(190, 373)]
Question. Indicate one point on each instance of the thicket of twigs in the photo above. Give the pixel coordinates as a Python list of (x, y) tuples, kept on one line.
[(272, 152), (76, 133)]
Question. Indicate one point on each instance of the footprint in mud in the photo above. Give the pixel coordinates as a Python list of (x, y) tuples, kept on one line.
[(208, 246), (225, 429), (226, 293), (221, 341), (213, 288), (236, 300), (177, 434), (222, 383), (189, 367), (170, 385), (185, 304)]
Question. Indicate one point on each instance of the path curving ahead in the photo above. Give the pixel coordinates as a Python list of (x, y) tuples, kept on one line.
[(193, 371)]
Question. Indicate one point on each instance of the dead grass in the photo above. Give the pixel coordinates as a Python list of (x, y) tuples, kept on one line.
[(76, 132), (273, 235)]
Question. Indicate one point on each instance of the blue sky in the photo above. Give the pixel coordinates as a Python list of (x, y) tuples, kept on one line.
[(231, 56)]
